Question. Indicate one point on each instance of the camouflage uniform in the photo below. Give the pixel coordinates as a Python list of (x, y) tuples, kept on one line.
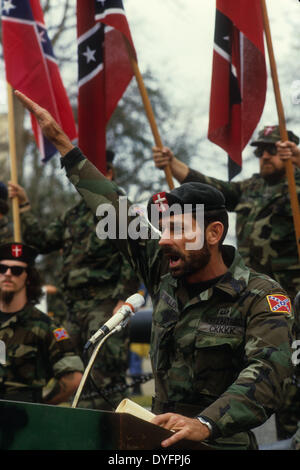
[(6, 230), (223, 353), (94, 277), (36, 350), (266, 240)]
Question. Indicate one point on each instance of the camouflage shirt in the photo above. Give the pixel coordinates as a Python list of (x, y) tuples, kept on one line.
[(6, 230), (264, 225), (92, 268), (225, 352), (36, 349)]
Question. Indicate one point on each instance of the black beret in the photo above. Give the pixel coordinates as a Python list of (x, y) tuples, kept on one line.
[(18, 252), (189, 194)]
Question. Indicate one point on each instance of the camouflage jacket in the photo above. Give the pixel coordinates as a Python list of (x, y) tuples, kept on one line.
[(36, 349), (92, 268), (225, 353), (264, 225)]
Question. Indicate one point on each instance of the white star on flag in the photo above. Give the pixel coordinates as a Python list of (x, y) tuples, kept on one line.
[(90, 55), (41, 35), (7, 6)]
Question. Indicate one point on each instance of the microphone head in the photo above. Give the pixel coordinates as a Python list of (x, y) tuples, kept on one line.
[(136, 300)]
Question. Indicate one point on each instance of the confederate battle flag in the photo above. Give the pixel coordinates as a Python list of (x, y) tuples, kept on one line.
[(31, 66), (238, 87), (104, 71)]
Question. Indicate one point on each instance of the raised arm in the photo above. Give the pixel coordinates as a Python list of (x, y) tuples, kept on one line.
[(48, 125), (97, 190)]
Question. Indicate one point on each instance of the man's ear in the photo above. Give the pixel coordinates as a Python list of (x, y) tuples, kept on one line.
[(214, 232)]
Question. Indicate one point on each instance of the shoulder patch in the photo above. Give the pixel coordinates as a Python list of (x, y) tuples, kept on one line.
[(60, 334), (279, 303)]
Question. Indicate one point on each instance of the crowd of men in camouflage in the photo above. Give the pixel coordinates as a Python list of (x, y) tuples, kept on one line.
[(222, 368), (95, 279), (264, 224), (36, 348), (198, 368)]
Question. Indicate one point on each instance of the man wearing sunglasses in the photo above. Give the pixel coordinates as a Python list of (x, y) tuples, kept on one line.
[(35, 348)]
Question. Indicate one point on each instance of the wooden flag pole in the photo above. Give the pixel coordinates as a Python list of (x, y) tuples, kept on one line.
[(282, 126), (13, 163), (148, 109)]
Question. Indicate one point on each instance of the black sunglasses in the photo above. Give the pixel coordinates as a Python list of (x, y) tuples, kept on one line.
[(15, 270), (270, 148)]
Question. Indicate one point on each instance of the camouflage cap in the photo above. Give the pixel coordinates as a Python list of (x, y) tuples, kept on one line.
[(271, 135), (188, 195), (18, 252)]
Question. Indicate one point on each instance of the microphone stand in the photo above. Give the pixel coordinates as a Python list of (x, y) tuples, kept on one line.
[(92, 360)]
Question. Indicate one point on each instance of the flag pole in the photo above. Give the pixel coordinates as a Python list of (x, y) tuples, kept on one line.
[(282, 126), (13, 163), (148, 109)]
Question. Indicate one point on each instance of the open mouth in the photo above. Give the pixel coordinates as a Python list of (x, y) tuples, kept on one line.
[(174, 260)]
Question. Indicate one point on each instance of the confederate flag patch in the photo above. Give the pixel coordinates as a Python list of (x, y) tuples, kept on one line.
[(279, 303), (60, 334)]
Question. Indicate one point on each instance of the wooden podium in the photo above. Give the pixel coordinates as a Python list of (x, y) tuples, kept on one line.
[(30, 426)]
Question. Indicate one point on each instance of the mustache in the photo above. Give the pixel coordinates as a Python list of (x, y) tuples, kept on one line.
[(168, 251)]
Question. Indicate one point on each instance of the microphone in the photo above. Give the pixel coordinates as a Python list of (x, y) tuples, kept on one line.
[(130, 306)]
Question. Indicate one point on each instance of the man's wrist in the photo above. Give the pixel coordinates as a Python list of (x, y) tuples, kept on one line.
[(206, 423), (24, 204), (72, 158)]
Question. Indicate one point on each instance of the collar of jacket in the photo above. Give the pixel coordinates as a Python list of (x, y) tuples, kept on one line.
[(237, 277), (17, 317)]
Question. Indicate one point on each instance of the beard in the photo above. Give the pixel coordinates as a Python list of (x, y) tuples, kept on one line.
[(190, 262), (7, 297), (272, 176)]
